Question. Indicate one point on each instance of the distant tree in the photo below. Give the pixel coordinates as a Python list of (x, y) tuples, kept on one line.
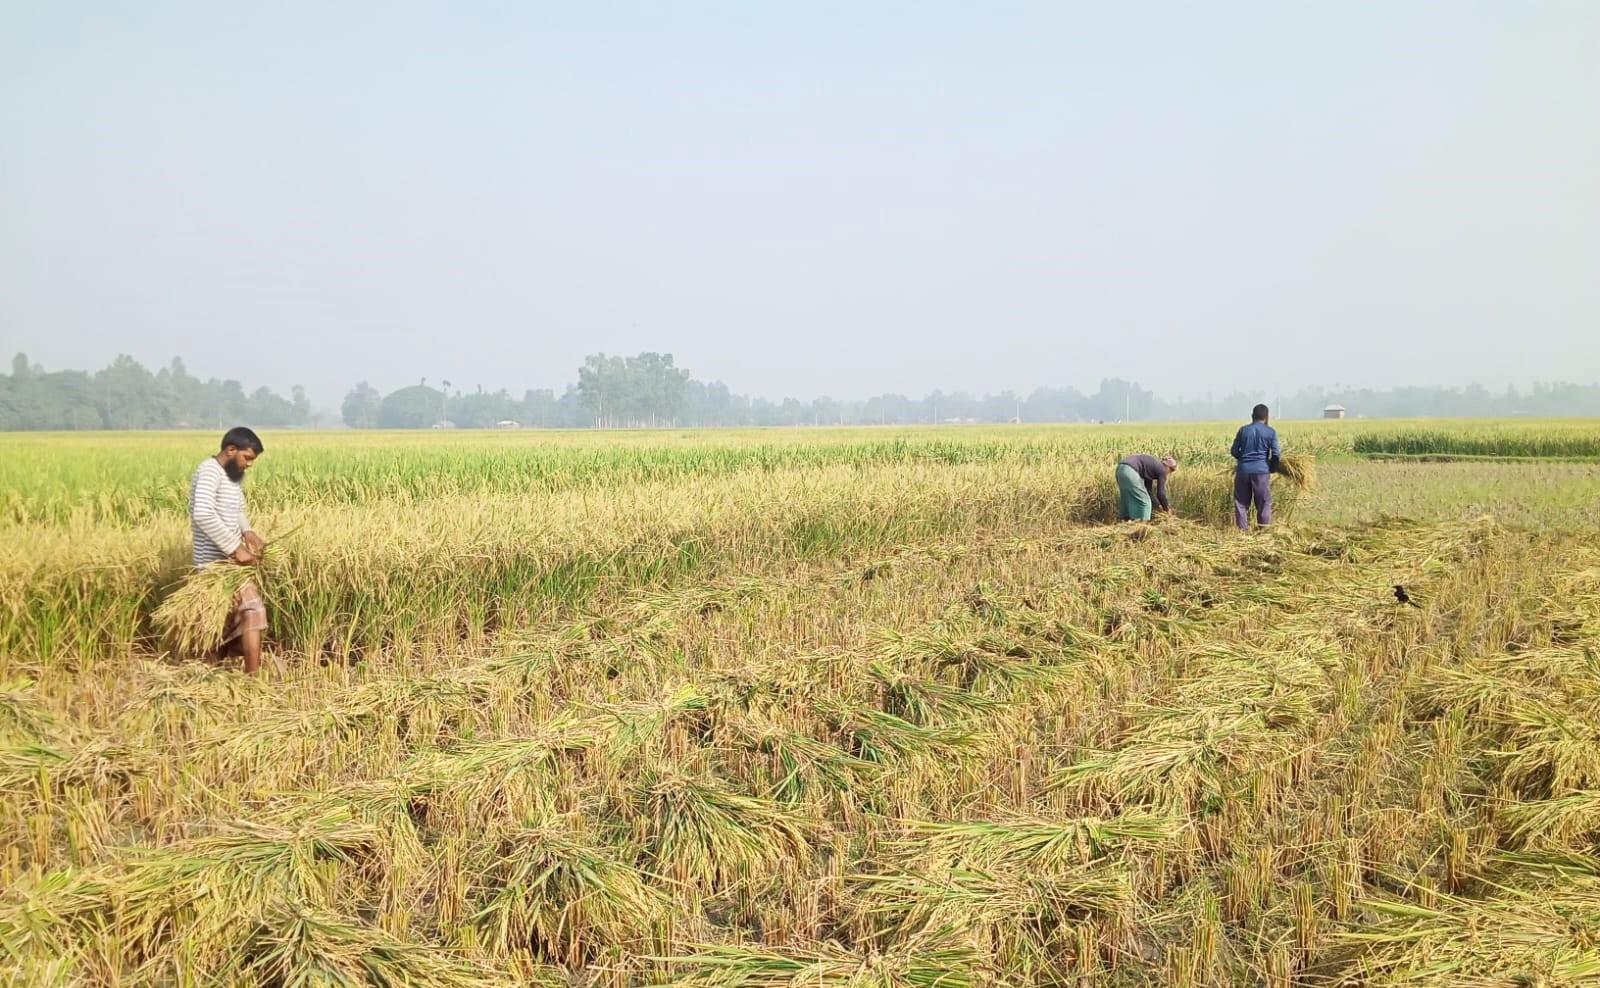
[(1119, 400), (270, 409), (131, 398), (483, 410), (360, 407), (416, 407), (646, 389)]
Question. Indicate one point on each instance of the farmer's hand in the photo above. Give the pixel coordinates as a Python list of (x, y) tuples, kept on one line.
[(255, 543), (243, 556)]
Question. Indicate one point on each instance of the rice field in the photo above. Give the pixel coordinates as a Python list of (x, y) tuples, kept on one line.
[(1483, 439), (808, 707)]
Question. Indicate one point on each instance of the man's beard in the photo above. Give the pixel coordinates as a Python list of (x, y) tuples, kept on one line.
[(234, 471)]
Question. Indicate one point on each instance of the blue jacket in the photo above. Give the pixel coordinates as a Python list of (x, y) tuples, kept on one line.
[(1253, 445)]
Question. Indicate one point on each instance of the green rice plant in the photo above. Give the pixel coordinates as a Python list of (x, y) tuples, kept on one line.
[(1544, 440)]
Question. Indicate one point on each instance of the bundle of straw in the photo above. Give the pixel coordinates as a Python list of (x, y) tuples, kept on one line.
[(1301, 471), (193, 616)]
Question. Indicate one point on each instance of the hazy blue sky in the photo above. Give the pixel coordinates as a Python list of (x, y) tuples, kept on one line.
[(806, 198)]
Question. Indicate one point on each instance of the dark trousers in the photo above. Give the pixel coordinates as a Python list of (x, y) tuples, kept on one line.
[(1251, 488)]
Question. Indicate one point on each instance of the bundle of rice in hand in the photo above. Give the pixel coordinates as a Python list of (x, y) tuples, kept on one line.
[(1301, 471), (194, 615)]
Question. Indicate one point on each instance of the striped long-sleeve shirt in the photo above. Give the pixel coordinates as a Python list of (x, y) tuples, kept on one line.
[(216, 513)]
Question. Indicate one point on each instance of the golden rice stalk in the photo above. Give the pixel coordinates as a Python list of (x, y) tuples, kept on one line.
[(909, 966), (702, 831), (21, 715), (1042, 847), (1516, 938), (296, 945), (911, 900), (554, 891), (193, 616), (1301, 471)]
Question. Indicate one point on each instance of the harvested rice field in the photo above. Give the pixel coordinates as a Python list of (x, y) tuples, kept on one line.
[(867, 708)]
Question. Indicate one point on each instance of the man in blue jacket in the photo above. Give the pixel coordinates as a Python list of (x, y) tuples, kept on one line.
[(1256, 449)]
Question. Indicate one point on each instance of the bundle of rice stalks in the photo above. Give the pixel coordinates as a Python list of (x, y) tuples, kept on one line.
[(1000, 898), (192, 903), (193, 616), (1516, 939), (800, 763), (50, 918), (1049, 847), (634, 727), (101, 764), (497, 775), (910, 966), (1183, 755), (21, 715), (702, 832), (563, 898), (1551, 750), (926, 702), (294, 945), (1300, 471), (246, 867), (1570, 820), (876, 736)]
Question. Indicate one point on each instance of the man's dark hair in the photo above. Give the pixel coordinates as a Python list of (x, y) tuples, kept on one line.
[(1257, 414), (241, 438)]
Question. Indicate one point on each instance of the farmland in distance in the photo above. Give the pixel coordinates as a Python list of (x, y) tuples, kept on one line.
[(811, 707)]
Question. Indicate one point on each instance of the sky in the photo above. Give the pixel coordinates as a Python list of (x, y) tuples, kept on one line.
[(806, 198)]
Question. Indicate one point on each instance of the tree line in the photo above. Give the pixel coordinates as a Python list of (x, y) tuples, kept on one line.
[(126, 395), (649, 389)]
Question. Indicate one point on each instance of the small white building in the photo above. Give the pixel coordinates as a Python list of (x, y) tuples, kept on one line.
[(1333, 412), (508, 424)]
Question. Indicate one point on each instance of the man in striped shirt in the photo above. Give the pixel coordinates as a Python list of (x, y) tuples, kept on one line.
[(222, 536)]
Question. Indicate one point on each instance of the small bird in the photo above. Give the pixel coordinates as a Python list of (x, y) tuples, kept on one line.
[(1402, 597)]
